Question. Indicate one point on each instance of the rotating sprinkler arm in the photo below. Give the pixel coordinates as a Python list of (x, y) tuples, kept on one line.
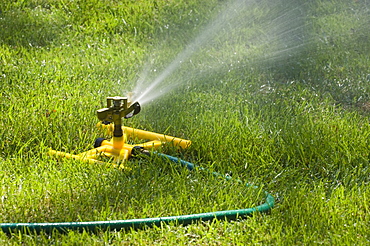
[(117, 108)]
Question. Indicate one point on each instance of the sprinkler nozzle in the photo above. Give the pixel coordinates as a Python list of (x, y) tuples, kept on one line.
[(117, 108)]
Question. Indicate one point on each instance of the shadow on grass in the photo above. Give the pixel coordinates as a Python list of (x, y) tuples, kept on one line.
[(36, 28)]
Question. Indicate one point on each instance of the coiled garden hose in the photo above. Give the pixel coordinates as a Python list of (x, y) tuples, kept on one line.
[(144, 222)]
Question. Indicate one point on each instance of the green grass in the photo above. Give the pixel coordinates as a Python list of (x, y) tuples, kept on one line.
[(297, 126)]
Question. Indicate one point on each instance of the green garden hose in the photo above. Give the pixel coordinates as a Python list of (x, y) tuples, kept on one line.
[(145, 222)]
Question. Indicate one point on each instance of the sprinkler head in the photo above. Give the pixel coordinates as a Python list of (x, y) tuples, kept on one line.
[(117, 108)]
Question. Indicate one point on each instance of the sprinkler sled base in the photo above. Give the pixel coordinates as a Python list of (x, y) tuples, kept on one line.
[(117, 150)]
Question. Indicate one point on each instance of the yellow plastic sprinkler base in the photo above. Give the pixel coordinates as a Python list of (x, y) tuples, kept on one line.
[(118, 150)]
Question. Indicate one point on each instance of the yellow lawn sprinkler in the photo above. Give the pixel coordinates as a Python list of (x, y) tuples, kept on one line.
[(117, 148)]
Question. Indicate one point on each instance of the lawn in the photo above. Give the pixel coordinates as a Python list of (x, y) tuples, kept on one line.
[(272, 93)]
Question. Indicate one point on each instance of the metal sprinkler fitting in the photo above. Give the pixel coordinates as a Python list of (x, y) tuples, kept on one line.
[(117, 108)]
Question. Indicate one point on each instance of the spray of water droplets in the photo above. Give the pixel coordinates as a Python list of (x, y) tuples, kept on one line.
[(247, 32)]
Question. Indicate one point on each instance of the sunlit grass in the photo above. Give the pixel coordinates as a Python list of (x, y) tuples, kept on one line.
[(298, 130)]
